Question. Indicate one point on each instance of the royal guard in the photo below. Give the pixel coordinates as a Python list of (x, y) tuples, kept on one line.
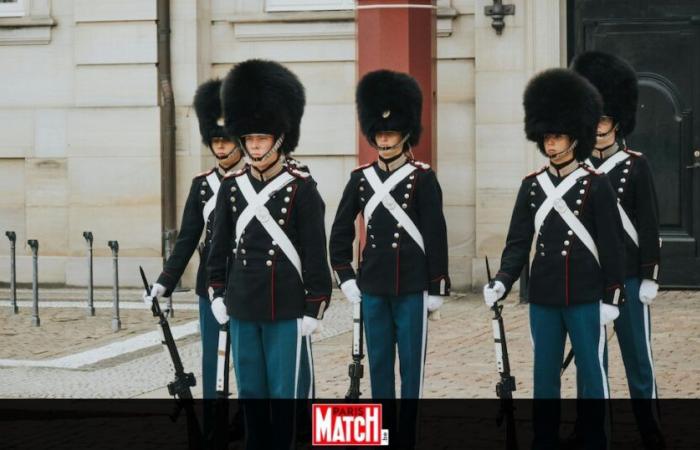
[(632, 180), (577, 274), (198, 217), (403, 270), (270, 217)]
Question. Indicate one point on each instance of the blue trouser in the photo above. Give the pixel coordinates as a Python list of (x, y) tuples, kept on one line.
[(267, 359), (549, 326), (391, 322), (209, 332), (633, 329)]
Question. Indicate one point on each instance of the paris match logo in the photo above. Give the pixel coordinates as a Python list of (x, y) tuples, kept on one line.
[(348, 424)]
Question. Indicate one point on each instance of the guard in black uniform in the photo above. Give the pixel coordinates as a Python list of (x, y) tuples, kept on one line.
[(631, 177), (198, 217), (271, 213), (403, 271), (576, 278)]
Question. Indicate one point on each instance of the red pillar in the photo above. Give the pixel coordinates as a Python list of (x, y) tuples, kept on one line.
[(400, 35)]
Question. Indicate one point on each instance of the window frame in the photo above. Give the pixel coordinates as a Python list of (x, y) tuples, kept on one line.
[(16, 8), (272, 6)]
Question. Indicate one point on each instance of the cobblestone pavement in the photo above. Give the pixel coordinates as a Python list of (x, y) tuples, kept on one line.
[(460, 360)]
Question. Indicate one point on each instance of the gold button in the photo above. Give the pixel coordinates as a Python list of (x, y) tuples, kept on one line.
[(233, 189), (394, 245), (578, 202), (233, 199), (404, 206), (202, 192), (396, 235), (374, 245), (242, 251), (576, 213), (582, 191), (409, 186), (281, 221), (268, 263), (570, 233), (245, 263), (289, 189), (286, 199), (620, 190), (622, 180), (362, 188), (204, 183), (234, 209), (563, 253), (271, 252), (406, 196), (567, 242), (284, 210), (399, 226)]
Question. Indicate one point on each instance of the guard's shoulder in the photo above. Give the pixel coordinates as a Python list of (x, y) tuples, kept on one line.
[(296, 164), (633, 154), (591, 170), (236, 173), (297, 172), (535, 173), (423, 167), (362, 167), (205, 173)]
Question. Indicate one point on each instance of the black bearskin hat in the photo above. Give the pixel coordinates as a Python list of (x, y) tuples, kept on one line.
[(389, 101), (207, 105), (563, 102), (616, 81), (261, 96)]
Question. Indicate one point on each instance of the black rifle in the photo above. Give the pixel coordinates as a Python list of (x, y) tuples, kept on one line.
[(506, 385), (355, 369), (180, 387), (223, 355)]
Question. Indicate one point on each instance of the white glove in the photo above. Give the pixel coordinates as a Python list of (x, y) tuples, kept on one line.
[(434, 302), (493, 294), (608, 313), (351, 291), (308, 325), (156, 291), (219, 310), (647, 291)]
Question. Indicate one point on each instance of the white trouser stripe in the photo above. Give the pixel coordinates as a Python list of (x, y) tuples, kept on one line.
[(311, 368), (601, 350), (647, 340), (298, 358), (423, 342)]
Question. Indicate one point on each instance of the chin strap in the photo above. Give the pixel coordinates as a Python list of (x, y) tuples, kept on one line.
[(398, 144), (614, 128), (274, 148), (569, 149)]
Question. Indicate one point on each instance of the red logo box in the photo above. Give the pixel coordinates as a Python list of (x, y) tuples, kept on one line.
[(348, 424)]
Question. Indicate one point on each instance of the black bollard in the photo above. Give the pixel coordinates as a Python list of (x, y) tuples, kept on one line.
[(116, 322), (13, 270), (91, 298), (34, 245)]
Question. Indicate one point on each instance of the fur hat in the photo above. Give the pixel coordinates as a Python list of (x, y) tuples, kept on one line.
[(261, 96), (389, 101), (561, 101), (207, 105), (616, 81)]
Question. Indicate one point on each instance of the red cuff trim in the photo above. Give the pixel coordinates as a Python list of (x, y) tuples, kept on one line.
[(441, 277), (342, 266), (168, 275), (317, 299), (615, 286), (503, 273)]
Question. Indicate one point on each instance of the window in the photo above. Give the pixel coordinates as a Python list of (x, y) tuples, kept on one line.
[(308, 5), (11, 8)]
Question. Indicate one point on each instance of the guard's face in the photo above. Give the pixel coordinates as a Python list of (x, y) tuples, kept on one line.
[(222, 147), (387, 138), (605, 134), (556, 143), (258, 144)]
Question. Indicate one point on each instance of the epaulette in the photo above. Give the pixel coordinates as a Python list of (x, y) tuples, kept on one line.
[(237, 173), (362, 167), (590, 169), (535, 173), (419, 164), (296, 172), (632, 152), (295, 163), (205, 173)]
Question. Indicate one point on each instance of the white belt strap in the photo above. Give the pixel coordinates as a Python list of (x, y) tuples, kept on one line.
[(382, 193), (209, 206), (256, 208), (555, 201), (606, 167)]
